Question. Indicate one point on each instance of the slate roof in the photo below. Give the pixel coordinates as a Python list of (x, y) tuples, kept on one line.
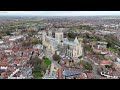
[(71, 73)]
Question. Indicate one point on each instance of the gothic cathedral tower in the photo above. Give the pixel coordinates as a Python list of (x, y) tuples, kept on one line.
[(59, 36)]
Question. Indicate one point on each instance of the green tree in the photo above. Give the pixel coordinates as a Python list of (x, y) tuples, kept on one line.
[(40, 41), (0, 37), (71, 35), (43, 67), (7, 32), (56, 57), (35, 61), (86, 65), (33, 32), (26, 43), (34, 41), (88, 48), (80, 57), (37, 68), (44, 58)]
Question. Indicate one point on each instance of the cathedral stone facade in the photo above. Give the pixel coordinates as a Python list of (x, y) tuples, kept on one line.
[(62, 45)]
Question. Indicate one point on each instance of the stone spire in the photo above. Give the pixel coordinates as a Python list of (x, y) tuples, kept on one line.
[(76, 41)]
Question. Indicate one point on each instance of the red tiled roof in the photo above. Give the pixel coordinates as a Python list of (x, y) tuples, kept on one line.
[(90, 75), (81, 76), (4, 62), (15, 50), (25, 58), (27, 51), (60, 71), (17, 62), (20, 60), (36, 49), (106, 62)]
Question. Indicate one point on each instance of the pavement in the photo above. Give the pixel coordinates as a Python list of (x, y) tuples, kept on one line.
[(49, 55)]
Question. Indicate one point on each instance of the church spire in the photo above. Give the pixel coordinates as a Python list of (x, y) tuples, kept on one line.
[(76, 41)]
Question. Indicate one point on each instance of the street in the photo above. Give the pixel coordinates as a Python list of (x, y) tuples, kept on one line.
[(49, 55), (94, 68)]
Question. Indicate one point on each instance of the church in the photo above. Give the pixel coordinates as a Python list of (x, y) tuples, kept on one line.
[(61, 45)]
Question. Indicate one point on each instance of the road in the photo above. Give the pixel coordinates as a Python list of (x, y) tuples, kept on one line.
[(94, 68), (49, 55)]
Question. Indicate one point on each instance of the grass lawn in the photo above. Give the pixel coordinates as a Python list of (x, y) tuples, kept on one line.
[(37, 75), (111, 49), (47, 61)]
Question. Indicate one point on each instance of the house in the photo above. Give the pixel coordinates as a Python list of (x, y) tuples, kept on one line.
[(90, 76), (69, 73), (27, 52), (117, 64), (38, 46), (101, 45), (3, 67), (1, 42), (15, 38), (20, 61), (106, 62), (60, 76), (118, 59)]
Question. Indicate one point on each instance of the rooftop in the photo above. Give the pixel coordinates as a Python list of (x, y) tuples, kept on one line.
[(106, 62), (71, 73)]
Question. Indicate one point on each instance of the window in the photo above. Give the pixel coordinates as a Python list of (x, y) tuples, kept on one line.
[(77, 52)]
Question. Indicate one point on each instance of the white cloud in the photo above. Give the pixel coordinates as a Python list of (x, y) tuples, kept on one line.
[(60, 13)]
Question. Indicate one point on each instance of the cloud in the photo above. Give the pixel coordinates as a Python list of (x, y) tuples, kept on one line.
[(60, 13)]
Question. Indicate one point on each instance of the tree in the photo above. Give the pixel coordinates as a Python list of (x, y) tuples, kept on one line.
[(0, 37), (80, 57), (26, 43), (71, 35), (37, 68), (7, 32), (86, 65), (56, 57), (32, 32), (40, 41), (44, 58), (43, 67), (35, 41), (35, 61), (88, 48)]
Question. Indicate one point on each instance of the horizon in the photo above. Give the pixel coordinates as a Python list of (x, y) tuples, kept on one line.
[(59, 13)]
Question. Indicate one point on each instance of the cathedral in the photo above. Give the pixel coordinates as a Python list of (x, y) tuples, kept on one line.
[(62, 45)]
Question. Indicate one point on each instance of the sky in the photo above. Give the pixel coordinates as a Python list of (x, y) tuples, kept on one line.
[(60, 13)]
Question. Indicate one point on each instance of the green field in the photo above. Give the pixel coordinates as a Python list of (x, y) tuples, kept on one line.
[(37, 75), (111, 49), (47, 61)]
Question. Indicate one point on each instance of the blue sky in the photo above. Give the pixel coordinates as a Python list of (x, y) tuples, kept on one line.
[(60, 13)]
